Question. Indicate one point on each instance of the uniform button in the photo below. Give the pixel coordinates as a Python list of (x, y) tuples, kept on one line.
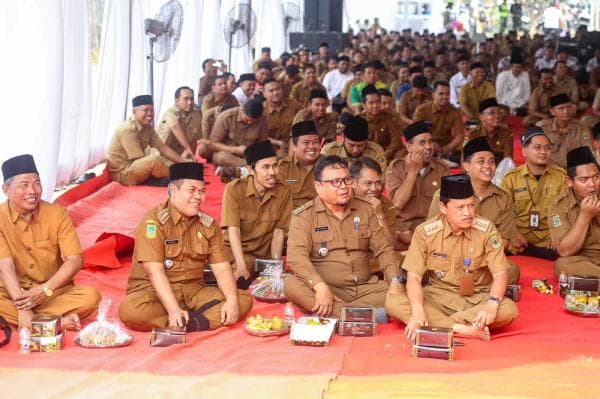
[(28, 249), (347, 254), (310, 282), (31, 265)]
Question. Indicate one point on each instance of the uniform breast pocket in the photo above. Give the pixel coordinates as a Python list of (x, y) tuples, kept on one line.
[(322, 243), (47, 249), (201, 251), (173, 251), (247, 220), (440, 268), (361, 238)]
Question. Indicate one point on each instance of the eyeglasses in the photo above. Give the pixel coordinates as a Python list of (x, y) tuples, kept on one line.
[(337, 182)]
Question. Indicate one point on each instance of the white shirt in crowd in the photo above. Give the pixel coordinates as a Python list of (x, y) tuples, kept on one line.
[(542, 63), (592, 64), (513, 91), (552, 16), (334, 81), (456, 82), (241, 97)]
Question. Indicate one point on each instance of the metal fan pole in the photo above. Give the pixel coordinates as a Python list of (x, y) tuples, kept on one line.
[(150, 59), (230, 45)]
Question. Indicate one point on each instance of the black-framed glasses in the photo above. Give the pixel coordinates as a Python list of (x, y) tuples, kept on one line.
[(337, 182)]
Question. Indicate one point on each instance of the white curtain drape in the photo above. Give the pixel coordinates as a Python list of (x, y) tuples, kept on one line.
[(270, 32)]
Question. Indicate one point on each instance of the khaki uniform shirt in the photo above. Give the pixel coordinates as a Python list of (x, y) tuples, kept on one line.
[(495, 205), (326, 126), (441, 253), (540, 100), (211, 101), (208, 121), (205, 87), (373, 151), (409, 103), (562, 216), (256, 217), (300, 180), (130, 143), (426, 184), (301, 93), (183, 245), (322, 248), (528, 194), (191, 124), (230, 129), (568, 85), (471, 96), (38, 246), (347, 90), (384, 129), (576, 134), (279, 122), (446, 122), (286, 85), (501, 141)]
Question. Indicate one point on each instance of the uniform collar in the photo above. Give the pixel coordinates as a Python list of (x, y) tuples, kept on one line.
[(238, 115), (15, 215), (175, 215), (448, 231), (251, 190), (490, 191), (137, 125), (321, 207), (524, 170), (269, 108)]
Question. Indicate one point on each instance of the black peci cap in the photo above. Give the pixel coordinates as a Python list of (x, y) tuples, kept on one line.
[(18, 165), (186, 170), (456, 187)]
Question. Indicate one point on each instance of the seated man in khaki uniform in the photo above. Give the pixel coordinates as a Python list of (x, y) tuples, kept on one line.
[(463, 257), (448, 130), (574, 221), (301, 90), (219, 95), (539, 101), (491, 202), (330, 241), (563, 131), (410, 100), (532, 187), (181, 125), (475, 91), (129, 161), (316, 111), (173, 242), (279, 111), (412, 180), (384, 126), (256, 212), (296, 169), (39, 253), (499, 138), (234, 130), (355, 143)]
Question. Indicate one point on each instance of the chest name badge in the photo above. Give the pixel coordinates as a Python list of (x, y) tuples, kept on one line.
[(321, 228)]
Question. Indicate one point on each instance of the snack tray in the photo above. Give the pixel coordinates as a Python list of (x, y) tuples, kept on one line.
[(127, 342)]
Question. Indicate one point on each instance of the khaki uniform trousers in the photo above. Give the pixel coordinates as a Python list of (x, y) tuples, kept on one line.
[(366, 294), (440, 315), (514, 273), (143, 310), (65, 301), (578, 266), (141, 169)]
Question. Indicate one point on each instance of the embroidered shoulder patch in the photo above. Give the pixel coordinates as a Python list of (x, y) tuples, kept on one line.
[(481, 224), (555, 220), (495, 240), (433, 227), (302, 208), (205, 219), (150, 231)]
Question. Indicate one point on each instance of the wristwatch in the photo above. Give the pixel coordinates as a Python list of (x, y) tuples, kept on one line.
[(494, 299), (48, 291)]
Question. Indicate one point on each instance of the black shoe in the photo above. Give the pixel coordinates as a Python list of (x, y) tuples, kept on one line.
[(156, 182)]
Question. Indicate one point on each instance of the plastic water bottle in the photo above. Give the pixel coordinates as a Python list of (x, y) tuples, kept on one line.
[(24, 341), (289, 314), (563, 283)]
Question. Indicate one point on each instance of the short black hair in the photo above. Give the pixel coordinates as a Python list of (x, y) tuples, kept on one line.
[(440, 83), (270, 80), (206, 61), (546, 70), (328, 161), (343, 58), (309, 66), (364, 163), (219, 77), (384, 93), (265, 65), (180, 89), (227, 75), (357, 68)]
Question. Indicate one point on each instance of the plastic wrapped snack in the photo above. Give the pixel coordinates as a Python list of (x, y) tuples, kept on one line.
[(268, 287), (103, 333)]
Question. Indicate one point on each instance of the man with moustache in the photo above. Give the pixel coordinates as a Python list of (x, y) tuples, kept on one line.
[(532, 187), (219, 95), (296, 169), (128, 161), (255, 213), (40, 253), (181, 125), (173, 242), (462, 256), (412, 180), (573, 217), (279, 112), (330, 241), (491, 202), (539, 101)]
